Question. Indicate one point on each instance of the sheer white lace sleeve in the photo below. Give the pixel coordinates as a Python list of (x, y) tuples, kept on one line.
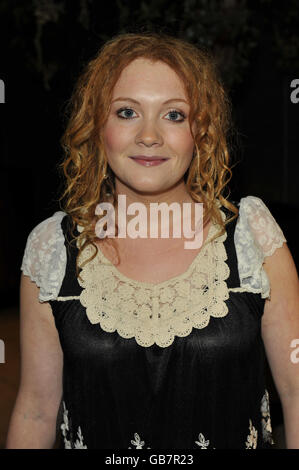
[(44, 259), (257, 235)]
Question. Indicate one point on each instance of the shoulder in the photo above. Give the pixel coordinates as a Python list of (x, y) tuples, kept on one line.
[(44, 258), (257, 236), (257, 220)]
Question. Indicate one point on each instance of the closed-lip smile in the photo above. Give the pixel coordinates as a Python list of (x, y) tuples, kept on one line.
[(148, 158)]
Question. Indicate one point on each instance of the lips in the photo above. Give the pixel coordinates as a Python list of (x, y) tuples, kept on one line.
[(149, 161), (149, 158)]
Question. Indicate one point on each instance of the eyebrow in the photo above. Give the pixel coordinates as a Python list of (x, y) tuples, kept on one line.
[(137, 102)]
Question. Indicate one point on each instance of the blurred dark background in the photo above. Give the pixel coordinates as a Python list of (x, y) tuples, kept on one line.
[(44, 47)]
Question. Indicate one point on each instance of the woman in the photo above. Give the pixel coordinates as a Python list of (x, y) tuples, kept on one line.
[(144, 343)]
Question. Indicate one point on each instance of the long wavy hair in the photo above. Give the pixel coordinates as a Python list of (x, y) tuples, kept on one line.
[(89, 179)]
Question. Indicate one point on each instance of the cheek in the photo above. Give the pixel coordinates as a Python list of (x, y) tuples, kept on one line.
[(182, 142), (115, 139)]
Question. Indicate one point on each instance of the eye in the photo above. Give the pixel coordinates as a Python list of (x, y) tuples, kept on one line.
[(174, 114), (126, 113)]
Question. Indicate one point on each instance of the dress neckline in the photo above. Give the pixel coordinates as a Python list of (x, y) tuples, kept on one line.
[(156, 313), (161, 284), (156, 286)]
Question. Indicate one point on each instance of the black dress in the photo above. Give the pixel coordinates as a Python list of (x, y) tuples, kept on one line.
[(204, 390)]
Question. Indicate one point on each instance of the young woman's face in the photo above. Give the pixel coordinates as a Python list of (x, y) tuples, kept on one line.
[(148, 118)]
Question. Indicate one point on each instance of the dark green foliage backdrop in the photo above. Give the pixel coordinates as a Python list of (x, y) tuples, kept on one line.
[(51, 35)]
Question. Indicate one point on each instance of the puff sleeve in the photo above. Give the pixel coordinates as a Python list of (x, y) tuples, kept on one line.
[(257, 235), (44, 259)]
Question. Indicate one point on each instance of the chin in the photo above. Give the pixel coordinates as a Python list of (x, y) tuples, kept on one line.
[(145, 186), (148, 189)]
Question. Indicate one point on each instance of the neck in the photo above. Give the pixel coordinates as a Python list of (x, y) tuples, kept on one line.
[(177, 194)]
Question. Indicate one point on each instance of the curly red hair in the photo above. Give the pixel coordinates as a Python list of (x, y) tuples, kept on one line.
[(85, 163)]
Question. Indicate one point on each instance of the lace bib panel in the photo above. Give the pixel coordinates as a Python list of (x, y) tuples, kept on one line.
[(156, 313)]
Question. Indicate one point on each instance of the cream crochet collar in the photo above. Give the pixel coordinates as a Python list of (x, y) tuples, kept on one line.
[(156, 313)]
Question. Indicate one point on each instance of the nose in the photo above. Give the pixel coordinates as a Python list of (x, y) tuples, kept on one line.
[(149, 135)]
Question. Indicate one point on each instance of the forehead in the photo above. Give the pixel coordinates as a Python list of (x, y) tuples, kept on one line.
[(144, 76)]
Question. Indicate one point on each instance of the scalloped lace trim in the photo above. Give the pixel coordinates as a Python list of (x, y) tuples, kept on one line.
[(44, 258), (257, 235), (156, 313)]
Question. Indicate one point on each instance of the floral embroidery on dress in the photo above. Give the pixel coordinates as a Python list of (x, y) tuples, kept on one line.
[(250, 444), (66, 428), (266, 420), (79, 442), (252, 437), (137, 442), (202, 443)]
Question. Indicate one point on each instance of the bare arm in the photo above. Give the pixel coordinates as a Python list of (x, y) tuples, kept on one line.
[(280, 326), (33, 420)]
